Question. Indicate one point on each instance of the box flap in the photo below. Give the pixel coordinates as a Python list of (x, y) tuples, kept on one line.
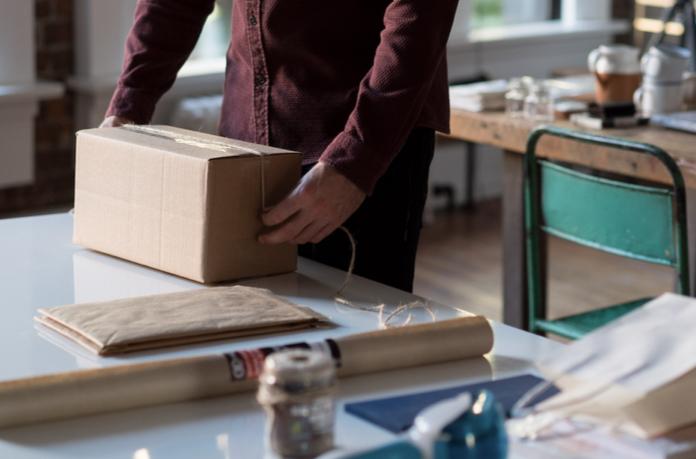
[(193, 144)]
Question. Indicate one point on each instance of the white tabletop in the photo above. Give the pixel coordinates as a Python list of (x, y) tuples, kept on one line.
[(40, 267)]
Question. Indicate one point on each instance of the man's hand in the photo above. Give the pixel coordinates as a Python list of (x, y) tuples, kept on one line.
[(115, 121), (320, 203)]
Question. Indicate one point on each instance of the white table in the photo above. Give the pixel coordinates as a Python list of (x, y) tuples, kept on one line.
[(40, 267)]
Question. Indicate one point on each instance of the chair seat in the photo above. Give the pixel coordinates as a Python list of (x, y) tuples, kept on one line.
[(578, 325)]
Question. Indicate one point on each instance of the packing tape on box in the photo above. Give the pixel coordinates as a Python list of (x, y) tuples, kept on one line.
[(86, 392), (208, 144)]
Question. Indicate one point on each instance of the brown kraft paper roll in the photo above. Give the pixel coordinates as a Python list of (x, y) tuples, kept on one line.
[(85, 392)]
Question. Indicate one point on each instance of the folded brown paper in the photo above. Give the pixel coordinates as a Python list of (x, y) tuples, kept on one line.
[(149, 322), (78, 393), (180, 201)]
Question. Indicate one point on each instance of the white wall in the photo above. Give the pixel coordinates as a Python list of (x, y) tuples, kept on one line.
[(16, 41), (17, 147), (16, 68), (101, 27)]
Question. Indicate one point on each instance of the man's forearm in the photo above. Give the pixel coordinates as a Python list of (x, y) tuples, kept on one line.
[(163, 35), (393, 93)]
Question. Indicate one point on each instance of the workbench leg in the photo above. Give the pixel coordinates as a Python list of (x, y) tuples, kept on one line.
[(514, 269), (691, 236), (469, 174)]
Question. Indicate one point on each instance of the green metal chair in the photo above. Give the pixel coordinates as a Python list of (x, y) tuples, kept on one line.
[(643, 222)]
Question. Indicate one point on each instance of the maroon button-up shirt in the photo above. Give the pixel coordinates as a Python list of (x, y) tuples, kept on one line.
[(342, 81)]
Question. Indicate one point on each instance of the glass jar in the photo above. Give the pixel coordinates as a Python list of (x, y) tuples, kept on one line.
[(538, 105), (514, 98), (296, 389)]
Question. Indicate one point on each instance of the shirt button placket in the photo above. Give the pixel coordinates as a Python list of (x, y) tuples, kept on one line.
[(258, 60)]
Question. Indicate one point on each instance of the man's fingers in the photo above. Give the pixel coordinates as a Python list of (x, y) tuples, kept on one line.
[(282, 211), (310, 232), (288, 231), (321, 235), (115, 121)]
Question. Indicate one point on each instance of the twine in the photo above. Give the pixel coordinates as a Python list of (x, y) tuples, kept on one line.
[(351, 265), (385, 321)]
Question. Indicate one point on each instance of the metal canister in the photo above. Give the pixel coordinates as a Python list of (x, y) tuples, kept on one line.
[(297, 390)]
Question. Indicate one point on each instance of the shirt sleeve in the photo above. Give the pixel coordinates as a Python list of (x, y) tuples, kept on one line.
[(393, 92), (163, 35)]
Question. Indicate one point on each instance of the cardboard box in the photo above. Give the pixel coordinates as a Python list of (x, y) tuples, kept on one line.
[(180, 201)]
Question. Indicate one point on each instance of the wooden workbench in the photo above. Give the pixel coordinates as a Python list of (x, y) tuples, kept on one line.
[(510, 134)]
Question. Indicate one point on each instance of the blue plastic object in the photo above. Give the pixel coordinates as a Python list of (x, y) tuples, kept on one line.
[(478, 433), (396, 413)]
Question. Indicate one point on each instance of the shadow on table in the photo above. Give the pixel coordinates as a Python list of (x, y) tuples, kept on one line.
[(404, 381), (99, 277), (141, 420)]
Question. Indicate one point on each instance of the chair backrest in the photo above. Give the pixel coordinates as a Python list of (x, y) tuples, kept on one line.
[(626, 219), (644, 222)]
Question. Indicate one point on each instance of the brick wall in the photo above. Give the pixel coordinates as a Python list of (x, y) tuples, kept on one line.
[(54, 165)]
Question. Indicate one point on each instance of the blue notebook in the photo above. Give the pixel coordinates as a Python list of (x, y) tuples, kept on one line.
[(396, 414)]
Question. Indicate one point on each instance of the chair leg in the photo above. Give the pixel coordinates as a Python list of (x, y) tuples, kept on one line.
[(469, 175), (691, 234), (515, 301), (542, 310)]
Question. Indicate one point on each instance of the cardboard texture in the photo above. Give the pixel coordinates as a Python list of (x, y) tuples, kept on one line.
[(172, 319), (180, 201), (79, 393)]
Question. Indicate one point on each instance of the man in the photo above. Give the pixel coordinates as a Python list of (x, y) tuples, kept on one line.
[(357, 86)]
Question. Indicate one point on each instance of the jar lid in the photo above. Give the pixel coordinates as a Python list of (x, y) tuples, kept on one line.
[(296, 370)]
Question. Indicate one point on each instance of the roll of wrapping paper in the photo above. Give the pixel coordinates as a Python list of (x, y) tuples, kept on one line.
[(86, 392)]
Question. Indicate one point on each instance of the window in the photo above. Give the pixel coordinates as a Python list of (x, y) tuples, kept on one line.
[(216, 33), (487, 13)]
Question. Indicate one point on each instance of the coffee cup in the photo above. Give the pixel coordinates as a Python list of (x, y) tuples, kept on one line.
[(617, 73), (665, 63), (657, 98)]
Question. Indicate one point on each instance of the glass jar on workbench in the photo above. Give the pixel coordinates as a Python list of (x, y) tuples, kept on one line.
[(514, 98), (538, 105)]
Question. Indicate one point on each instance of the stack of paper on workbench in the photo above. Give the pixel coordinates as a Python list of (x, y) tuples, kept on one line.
[(479, 97), (149, 322)]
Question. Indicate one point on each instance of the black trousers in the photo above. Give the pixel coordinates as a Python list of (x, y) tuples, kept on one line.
[(387, 226)]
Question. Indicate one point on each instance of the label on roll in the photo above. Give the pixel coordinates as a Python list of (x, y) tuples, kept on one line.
[(248, 364)]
